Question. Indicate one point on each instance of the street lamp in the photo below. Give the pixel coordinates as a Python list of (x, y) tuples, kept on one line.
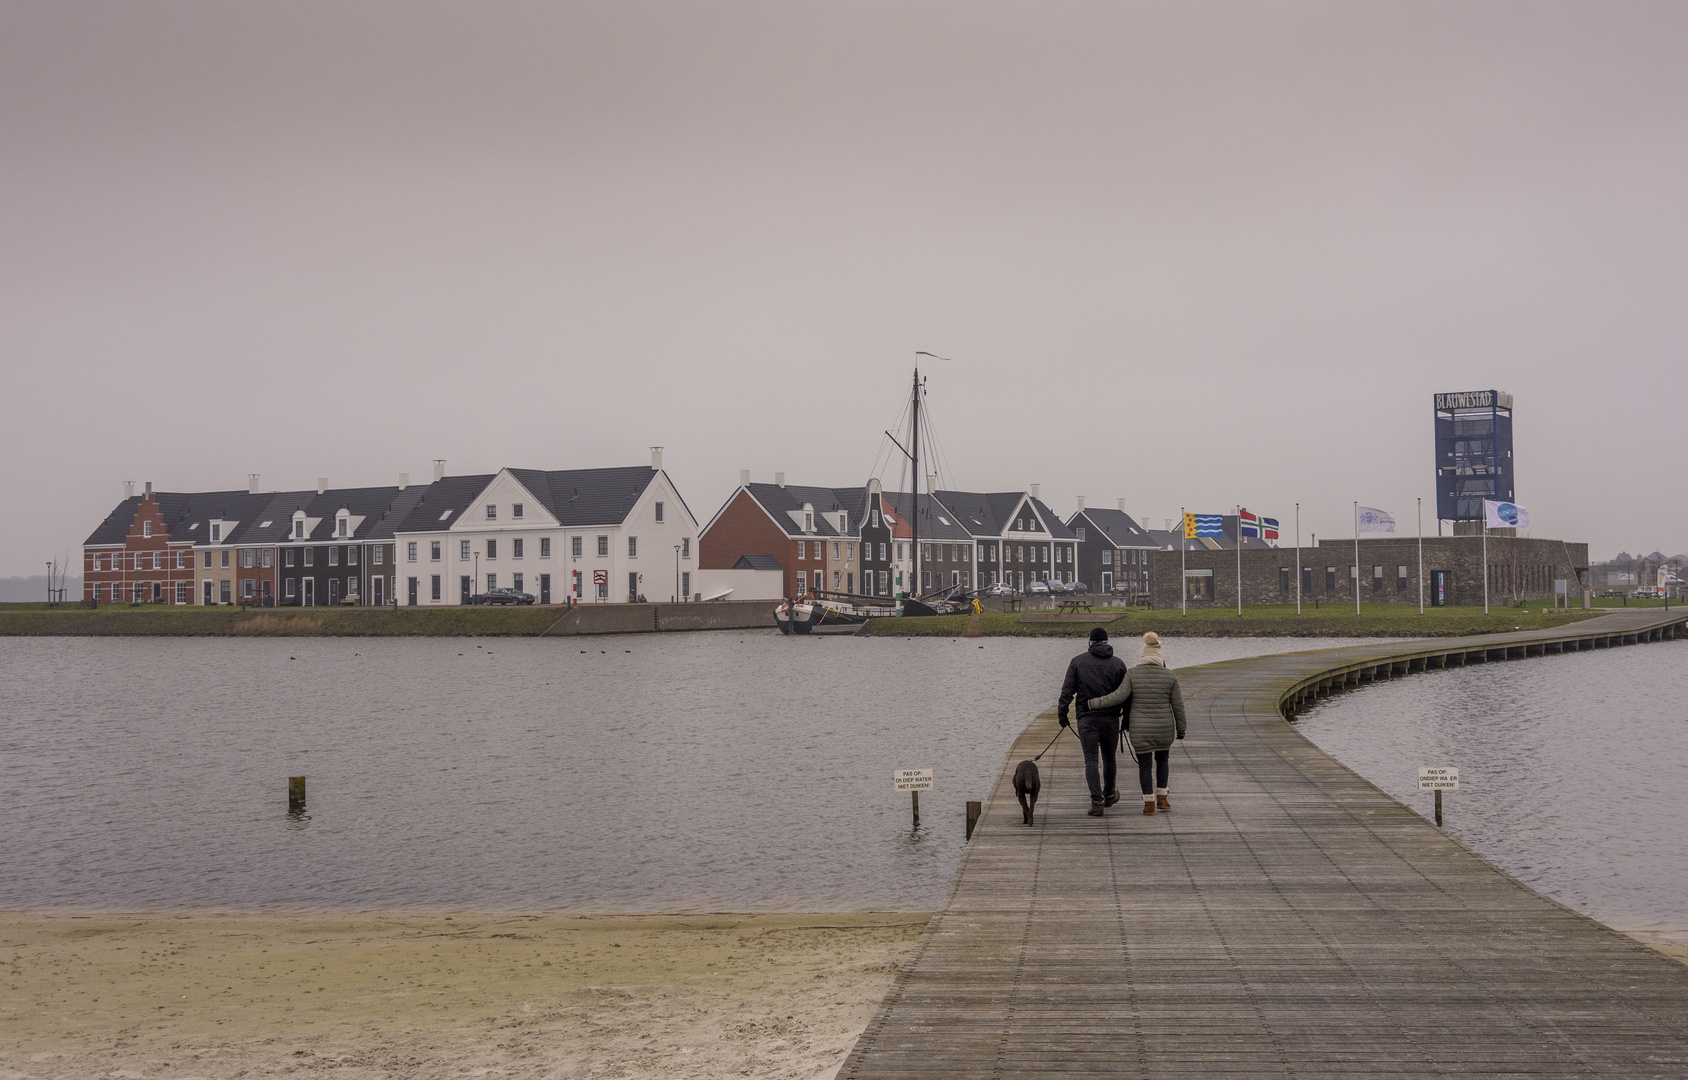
[(676, 573), (476, 580)]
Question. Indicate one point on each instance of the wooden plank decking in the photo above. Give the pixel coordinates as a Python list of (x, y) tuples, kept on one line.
[(1286, 919)]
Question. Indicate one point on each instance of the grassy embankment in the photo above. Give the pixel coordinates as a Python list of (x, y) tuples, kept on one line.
[(1267, 620), (171, 621)]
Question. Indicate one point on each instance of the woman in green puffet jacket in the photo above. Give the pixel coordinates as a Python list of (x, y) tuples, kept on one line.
[(1154, 717)]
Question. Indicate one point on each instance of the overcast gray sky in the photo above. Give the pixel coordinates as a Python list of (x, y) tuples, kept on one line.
[(1188, 254)]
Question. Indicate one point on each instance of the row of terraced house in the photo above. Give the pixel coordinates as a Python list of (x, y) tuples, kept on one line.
[(601, 535)]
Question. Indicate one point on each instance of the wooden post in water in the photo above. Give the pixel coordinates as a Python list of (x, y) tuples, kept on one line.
[(974, 809), (915, 795), (1438, 808), (295, 794)]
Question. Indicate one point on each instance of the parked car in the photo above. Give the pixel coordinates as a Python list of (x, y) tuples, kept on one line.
[(999, 589), (1077, 587), (502, 596), (1037, 588)]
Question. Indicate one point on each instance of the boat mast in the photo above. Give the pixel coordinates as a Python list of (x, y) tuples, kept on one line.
[(914, 441)]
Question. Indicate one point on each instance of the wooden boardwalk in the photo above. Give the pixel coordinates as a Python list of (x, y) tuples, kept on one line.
[(1286, 919)]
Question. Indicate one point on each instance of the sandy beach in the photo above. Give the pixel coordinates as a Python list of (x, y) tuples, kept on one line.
[(435, 995)]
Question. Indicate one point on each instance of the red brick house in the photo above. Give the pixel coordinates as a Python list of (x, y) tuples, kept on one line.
[(133, 557), (813, 533)]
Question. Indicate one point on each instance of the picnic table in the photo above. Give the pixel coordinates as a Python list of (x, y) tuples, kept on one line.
[(1073, 607)]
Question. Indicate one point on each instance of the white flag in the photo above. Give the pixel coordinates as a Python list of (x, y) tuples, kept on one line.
[(1369, 519), (1505, 515)]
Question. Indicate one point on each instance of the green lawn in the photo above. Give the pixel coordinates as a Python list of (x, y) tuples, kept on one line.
[(1268, 620), (170, 620)]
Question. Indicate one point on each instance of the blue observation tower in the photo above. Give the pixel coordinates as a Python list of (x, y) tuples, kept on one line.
[(1473, 454)]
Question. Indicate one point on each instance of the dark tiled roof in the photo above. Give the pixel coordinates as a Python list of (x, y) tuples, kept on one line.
[(1117, 526), (443, 502), (575, 497), (991, 513), (937, 521), (757, 562), (1057, 528), (780, 502)]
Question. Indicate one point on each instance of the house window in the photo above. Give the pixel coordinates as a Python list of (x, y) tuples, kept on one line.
[(1377, 579), (544, 547), (802, 582), (1080, 532), (434, 587), (351, 554), (269, 558), (516, 550), (310, 556), (603, 546), (248, 588), (849, 552), (632, 547), (491, 582), (181, 592), (491, 512), (1330, 581), (299, 528), (802, 548), (1307, 580), (410, 551), (492, 549), (379, 553), (1107, 557), (287, 588), (686, 584), (1400, 579), (836, 575), (516, 582), (340, 526), (884, 583), (659, 513), (686, 548), (835, 547), (216, 532), (225, 560), (882, 556), (463, 550), (334, 556), (926, 579), (146, 528), (604, 590), (574, 546), (288, 560), (223, 592), (1283, 579), (516, 512)]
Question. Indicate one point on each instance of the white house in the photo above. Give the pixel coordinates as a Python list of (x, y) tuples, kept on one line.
[(594, 535)]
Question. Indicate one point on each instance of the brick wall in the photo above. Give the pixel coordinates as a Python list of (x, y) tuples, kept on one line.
[(743, 528), (147, 561), (1520, 569)]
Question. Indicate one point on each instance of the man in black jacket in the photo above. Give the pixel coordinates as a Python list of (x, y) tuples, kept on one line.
[(1097, 668)]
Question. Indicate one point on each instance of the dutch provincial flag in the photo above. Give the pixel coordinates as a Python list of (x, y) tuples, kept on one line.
[(1203, 525), (1269, 528), (1247, 524)]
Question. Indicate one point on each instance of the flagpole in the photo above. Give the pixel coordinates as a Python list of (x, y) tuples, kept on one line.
[(1421, 555), (1298, 558), (1183, 582), (1485, 559), (1356, 576), (1239, 558)]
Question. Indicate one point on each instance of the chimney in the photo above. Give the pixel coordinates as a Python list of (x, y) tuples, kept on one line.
[(149, 487), (1034, 490), (321, 484), (404, 480), (656, 459), (744, 478), (1122, 506), (128, 489), (779, 478), (931, 481), (252, 483), (439, 469), (1081, 504)]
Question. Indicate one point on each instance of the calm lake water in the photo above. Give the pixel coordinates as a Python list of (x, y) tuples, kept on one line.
[(1573, 770), (680, 772)]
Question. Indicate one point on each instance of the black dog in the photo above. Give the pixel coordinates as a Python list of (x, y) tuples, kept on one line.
[(1026, 786)]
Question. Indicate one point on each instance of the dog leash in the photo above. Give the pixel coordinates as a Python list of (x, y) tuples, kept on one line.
[(1051, 743)]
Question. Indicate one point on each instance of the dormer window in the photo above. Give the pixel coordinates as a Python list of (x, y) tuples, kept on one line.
[(491, 511), (516, 511), (340, 526), (808, 522), (299, 528), (216, 532)]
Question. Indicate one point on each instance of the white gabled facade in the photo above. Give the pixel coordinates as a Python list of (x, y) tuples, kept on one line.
[(505, 537)]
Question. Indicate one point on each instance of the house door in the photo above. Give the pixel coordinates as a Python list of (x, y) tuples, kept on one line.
[(632, 586), (310, 592), (412, 588), (375, 590), (207, 594), (464, 584), (544, 588), (333, 591)]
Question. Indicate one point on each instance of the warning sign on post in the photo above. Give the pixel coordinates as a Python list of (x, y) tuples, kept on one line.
[(1438, 778), (913, 779)]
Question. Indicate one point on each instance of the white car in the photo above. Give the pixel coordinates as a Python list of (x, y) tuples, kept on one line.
[(1038, 588)]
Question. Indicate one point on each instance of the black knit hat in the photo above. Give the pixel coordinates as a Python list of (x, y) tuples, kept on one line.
[(1098, 634)]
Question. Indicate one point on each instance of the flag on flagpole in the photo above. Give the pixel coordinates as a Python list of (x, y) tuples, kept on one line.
[(1369, 519), (1505, 515), (1247, 524), (1269, 528), (1203, 525)]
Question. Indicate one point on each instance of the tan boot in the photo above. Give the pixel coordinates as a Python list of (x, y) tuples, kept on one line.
[(1148, 807), (1160, 801)]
